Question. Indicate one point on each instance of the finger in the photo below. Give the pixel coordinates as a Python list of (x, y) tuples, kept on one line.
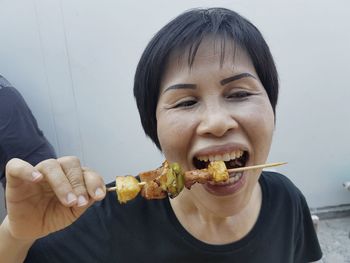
[(72, 168), (94, 184), (59, 183), (18, 171)]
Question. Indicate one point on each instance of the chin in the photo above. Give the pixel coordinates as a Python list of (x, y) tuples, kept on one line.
[(221, 205)]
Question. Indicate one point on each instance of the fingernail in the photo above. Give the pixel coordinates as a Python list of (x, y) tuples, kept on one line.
[(99, 192), (36, 175), (82, 200), (71, 198)]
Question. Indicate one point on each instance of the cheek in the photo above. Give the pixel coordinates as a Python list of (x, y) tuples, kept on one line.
[(174, 134), (261, 130), (263, 123)]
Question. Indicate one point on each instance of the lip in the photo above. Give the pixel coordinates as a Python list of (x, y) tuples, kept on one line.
[(222, 190), (220, 149)]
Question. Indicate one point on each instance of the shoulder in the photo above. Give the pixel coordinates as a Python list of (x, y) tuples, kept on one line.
[(288, 202), (10, 94), (279, 183), (282, 193), (276, 178), (10, 99), (4, 82)]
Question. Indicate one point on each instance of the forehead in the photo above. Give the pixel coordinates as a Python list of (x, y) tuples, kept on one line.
[(213, 54)]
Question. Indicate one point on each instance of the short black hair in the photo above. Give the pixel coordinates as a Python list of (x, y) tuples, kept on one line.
[(187, 31)]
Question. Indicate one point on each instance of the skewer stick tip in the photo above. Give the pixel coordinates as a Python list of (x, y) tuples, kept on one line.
[(260, 166), (111, 189)]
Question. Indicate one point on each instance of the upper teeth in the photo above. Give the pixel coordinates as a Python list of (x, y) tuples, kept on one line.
[(221, 157)]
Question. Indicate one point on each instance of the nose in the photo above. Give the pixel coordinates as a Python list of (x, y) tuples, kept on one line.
[(216, 120)]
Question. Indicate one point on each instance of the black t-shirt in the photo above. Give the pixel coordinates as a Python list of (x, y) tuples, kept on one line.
[(20, 136), (148, 231)]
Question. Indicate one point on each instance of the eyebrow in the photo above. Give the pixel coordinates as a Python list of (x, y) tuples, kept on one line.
[(222, 82), (180, 86), (236, 77)]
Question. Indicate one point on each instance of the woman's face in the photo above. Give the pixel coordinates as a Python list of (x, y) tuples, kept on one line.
[(215, 111)]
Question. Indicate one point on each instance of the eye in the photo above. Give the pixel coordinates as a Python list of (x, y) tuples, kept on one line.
[(239, 95), (185, 104)]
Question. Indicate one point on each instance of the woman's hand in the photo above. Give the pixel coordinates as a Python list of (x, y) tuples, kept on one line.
[(48, 197)]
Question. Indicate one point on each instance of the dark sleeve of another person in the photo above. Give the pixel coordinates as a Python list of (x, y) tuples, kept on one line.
[(20, 136)]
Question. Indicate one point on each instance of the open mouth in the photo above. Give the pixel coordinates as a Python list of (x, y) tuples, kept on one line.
[(233, 159)]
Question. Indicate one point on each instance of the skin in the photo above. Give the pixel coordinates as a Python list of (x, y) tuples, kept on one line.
[(204, 110), (44, 199)]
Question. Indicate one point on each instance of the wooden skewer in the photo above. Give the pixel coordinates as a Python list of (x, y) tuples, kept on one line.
[(241, 169), (110, 189), (259, 166)]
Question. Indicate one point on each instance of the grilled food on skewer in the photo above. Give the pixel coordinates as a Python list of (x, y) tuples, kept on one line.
[(169, 180), (216, 172), (127, 188)]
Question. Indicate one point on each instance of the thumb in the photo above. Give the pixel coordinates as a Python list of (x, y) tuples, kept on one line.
[(18, 171)]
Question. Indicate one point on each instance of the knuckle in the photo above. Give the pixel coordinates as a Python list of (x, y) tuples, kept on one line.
[(47, 165), (62, 187), (13, 166), (69, 161), (86, 169), (75, 175), (92, 177), (12, 163), (75, 180)]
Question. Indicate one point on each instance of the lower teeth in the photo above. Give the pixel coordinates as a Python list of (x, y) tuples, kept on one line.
[(233, 178), (236, 177)]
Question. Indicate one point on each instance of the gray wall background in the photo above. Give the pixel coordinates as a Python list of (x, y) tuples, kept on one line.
[(74, 61)]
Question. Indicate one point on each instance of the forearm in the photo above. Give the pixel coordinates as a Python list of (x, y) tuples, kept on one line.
[(12, 250)]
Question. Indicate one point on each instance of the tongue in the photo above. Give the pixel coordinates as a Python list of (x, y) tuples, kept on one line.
[(234, 163)]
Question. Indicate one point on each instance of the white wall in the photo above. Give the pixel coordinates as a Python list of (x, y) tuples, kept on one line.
[(74, 61)]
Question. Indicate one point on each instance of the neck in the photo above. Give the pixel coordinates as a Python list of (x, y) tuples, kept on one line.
[(208, 225)]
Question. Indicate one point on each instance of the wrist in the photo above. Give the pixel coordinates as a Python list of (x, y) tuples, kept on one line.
[(12, 249), (6, 233)]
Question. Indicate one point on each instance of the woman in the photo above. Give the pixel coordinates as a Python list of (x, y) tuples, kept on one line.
[(206, 88)]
